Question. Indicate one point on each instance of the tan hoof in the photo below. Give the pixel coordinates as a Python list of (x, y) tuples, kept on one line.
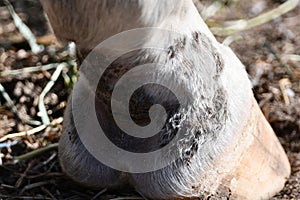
[(263, 167)]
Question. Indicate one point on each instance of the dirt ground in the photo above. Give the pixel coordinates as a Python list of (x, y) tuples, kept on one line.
[(265, 50)]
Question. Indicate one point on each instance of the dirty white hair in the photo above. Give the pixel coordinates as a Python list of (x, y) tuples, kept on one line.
[(217, 88)]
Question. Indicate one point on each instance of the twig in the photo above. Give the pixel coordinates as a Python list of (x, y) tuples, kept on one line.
[(20, 180), (24, 197), (284, 84), (32, 131), (8, 144), (14, 108), (126, 198), (8, 186), (29, 70), (49, 193), (241, 25), (54, 77), (67, 79), (72, 50), (98, 194), (35, 185), (45, 174), (82, 195), (211, 10), (230, 39), (24, 30), (292, 57), (50, 158), (35, 153), (23, 133)]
